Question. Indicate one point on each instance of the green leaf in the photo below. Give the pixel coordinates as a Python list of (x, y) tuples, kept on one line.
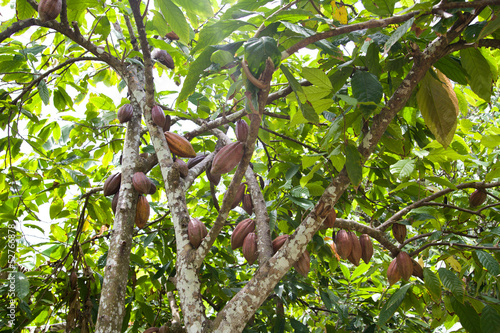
[(21, 284), (317, 77), (489, 262), (403, 168), (438, 104), (366, 89), (82, 5), (396, 35), (490, 27), (56, 207), (44, 92), (58, 233), (451, 282), (24, 10), (291, 79), (194, 73), (468, 316), (215, 33), (202, 8), (175, 18), (392, 304), (451, 67), (380, 7), (480, 76), (490, 320), (442, 181), (353, 164), (339, 78), (309, 113), (432, 284)]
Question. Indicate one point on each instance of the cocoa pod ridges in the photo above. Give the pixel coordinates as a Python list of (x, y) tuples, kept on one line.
[(195, 160), (227, 158), (247, 204), (249, 248), (241, 231), (366, 247), (278, 242), (141, 182), (404, 265), (158, 116), (142, 212), (49, 9), (303, 265), (393, 274), (329, 222), (241, 130), (356, 250), (196, 232), (477, 198), (183, 167), (343, 243), (125, 113), (112, 184), (179, 145), (399, 232)]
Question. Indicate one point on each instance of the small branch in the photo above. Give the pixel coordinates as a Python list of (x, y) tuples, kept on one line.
[(286, 91), (416, 252), (263, 25), (250, 77), (293, 140), (64, 14), (174, 310)]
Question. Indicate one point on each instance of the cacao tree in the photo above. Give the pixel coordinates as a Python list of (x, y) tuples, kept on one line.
[(249, 165)]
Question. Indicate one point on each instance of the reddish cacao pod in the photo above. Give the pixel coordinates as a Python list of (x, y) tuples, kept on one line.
[(195, 160), (278, 242), (142, 212), (241, 130), (247, 204), (114, 202), (399, 232), (239, 195), (356, 251), (112, 184), (214, 179), (240, 232), (417, 270), (168, 121), (303, 265), (477, 198), (152, 330), (125, 113), (164, 58), (172, 36), (152, 187), (343, 243), (227, 158), (196, 232), (329, 222), (249, 248), (179, 145), (158, 116), (49, 9), (141, 182), (366, 248), (183, 167), (393, 274), (404, 265)]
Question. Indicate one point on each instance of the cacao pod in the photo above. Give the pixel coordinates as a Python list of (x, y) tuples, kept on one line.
[(214, 179), (195, 160), (303, 265), (179, 145), (112, 184), (164, 58), (249, 248), (49, 9), (142, 212), (393, 274), (183, 167), (239, 196), (196, 232), (343, 243), (241, 231), (125, 113), (417, 270), (227, 158), (164, 329), (114, 202), (278, 242), (247, 204), (152, 187), (152, 330), (329, 222), (404, 265), (141, 182), (168, 121), (172, 35), (158, 116), (144, 156), (73, 279), (356, 251), (366, 248), (399, 232), (477, 198), (241, 130)]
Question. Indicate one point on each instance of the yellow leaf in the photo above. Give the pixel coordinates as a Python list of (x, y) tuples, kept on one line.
[(339, 12), (454, 264)]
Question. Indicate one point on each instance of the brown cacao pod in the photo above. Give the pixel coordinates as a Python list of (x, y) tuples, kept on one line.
[(196, 232), (343, 243), (144, 156), (195, 160), (366, 248), (164, 329), (214, 179), (247, 204), (303, 265), (168, 121), (142, 212), (179, 145), (152, 187), (125, 113), (329, 222), (152, 330), (477, 198), (399, 232), (241, 231), (356, 251), (112, 184), (239, 195), (249, 248), (158, 116), (183, 167), (404, 265), (393, 274), (73, 279), (164, 58), (172, 36), (417, 270), (141, 182), (278, 242), (241, 130), (114, 202), (49, 9), (227, 158)]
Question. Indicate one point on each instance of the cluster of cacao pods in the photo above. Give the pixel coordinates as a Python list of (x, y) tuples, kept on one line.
[(400, 267), (243, 196), (49, 9), (348, 246), (478, 197), (196, 232), (303, 264), (329, 222), (164, 58), (244, 236), (399, 232)]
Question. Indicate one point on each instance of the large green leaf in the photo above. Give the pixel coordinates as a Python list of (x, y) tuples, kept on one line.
[(366, 88), (438, 104), (432, 284), (202, 8), (478, 69), (392, 304), (24, 10), (490, 320), (194, 73), (396, 35), (451, 282), (213, 34), (353, 164), (380, 7), (468, 316), (487, 260), (175, 18), (403, 168)]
